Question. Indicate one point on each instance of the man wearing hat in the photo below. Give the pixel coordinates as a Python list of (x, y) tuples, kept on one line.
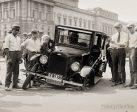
[(118, 43), (13, 56), (32, 46), (132, 55)]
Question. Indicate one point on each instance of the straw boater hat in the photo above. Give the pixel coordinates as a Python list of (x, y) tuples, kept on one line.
[(117, 25), (131, 25)]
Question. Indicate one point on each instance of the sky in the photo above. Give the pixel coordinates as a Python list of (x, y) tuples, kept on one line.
[(126, 9)]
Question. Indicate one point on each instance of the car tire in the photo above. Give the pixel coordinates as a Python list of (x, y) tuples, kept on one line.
[(27, 82)]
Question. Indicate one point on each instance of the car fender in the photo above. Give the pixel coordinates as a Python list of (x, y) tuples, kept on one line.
[(34, 56), (85, 71)]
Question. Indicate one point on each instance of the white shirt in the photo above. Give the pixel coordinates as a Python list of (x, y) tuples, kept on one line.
[(12, 43), (133, 40), (32, 45), (123, 40)]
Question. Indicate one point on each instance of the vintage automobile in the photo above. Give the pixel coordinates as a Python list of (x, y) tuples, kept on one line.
[(79, 59)]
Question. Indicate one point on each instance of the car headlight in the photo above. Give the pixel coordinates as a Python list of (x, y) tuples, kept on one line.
[(43, 59), (75, 66)]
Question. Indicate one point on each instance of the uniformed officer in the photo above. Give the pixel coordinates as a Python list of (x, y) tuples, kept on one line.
[(13, 56)]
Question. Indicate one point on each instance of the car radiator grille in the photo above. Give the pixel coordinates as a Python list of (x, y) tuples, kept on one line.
[(57, 64)]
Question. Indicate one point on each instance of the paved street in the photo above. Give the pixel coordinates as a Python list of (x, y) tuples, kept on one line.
[(100, 98)]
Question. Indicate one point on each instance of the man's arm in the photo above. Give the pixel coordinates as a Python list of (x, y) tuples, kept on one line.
[(6, 45)]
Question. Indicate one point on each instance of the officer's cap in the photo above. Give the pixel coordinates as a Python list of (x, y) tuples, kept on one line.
[(118, 25)]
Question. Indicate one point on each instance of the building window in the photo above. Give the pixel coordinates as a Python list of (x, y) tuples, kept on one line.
[(5, 14), (89, 23), (34, 14), (65, 20), (70, 21), (59, 20), (12, 13), (41, 15), (80, 22), (93, 25), (85, 24), (75, 21)]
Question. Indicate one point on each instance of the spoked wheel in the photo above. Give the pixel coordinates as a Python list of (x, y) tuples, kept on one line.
[(27, 81)]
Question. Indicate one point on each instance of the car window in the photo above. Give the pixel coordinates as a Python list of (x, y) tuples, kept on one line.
[(74, 37)]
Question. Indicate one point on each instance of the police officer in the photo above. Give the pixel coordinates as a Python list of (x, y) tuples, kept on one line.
[(118, 44), (13, 56)]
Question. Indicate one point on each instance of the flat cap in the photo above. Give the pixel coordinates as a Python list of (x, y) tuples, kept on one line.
[(118, 25), (34, 32), (10, 31), (15, 27), (29, 33), (25, 33), (130, 25)]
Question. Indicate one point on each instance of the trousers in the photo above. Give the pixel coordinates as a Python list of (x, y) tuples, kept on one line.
[(133, 65), (12, 66), (118, 63)]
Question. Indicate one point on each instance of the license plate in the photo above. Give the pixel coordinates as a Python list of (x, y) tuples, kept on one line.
[(55, 76), (55, 79)]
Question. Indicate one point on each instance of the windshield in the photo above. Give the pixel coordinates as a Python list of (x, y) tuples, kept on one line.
[(81, 39)]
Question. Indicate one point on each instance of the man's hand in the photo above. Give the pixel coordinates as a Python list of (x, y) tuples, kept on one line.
[(7, 52), (20, 61)]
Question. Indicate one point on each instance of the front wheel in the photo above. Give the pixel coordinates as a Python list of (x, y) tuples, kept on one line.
[(27, 81)]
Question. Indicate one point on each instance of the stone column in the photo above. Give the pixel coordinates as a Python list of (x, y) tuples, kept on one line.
[(19, 9), (29, 9), (16, 9), (9, 11), (24, 9), (2, 5)]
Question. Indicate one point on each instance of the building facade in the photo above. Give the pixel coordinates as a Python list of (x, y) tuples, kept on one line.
[(43, 15)]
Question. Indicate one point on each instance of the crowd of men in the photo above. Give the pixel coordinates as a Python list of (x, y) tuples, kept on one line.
[(16, 48), (121, 44)]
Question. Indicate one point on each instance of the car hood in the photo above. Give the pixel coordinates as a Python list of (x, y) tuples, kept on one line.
[(70, 51)]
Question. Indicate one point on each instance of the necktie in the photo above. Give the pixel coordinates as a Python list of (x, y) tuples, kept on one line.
[(118, 39)]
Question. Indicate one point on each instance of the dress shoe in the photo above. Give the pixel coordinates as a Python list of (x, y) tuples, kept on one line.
[(7, 89), (115, 84), (16, 87), (128, 85), (133, 87)]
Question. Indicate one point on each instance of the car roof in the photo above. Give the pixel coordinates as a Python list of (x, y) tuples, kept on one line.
[(79, 29)]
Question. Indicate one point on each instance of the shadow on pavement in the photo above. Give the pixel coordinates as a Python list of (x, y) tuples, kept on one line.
[(103, 87), (6, 105)]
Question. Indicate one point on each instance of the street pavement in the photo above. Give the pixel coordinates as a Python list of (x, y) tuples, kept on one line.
[(100, 98)]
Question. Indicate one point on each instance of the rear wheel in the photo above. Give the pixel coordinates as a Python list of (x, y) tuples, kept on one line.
[(27, 82)]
